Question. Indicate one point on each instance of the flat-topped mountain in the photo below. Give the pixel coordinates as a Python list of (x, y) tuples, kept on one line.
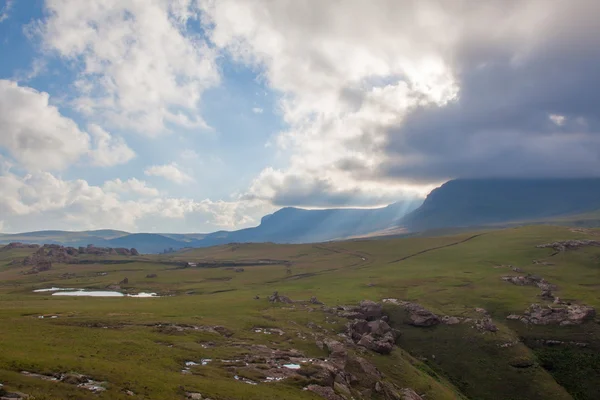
[(476, 202)]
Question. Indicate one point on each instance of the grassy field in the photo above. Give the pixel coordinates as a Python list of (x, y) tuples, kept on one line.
[(119, 340)]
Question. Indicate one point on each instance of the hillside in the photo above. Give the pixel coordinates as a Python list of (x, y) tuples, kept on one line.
[(288, 225), (479, 202), (456, 309)]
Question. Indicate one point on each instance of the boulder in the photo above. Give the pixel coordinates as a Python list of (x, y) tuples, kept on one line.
[(326, 392), (409, 394), (74, 379), (486, 325), (314, 300), (420, 316), (150, 276), (336, 349), (382, 346), (379, 327), (358, 328), (134, 252), (449, 320), (124, 281), (370, 310), (277, 298)]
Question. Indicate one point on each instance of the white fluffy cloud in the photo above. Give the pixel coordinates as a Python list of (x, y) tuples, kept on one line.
[(171, 172), (44, 201), (39, 137), (132, 186), (108, 150), (34, 131), (139, 66), (342, 88)]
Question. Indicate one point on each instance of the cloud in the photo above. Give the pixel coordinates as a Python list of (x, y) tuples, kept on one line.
[(138, 65), (171, 172), (132, 185), (422, 93), (5, 11), (257, 110), (108, 150), (39, 137), (43, 201), (34, 132)]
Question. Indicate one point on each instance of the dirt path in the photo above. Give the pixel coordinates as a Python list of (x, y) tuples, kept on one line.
[(436, 248)]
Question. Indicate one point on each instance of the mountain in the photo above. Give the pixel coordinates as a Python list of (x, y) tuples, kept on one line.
[(476, 202), (296, 225), (148, 242), (288, 225)]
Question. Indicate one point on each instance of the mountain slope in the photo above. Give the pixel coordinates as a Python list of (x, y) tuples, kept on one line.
[(295, 225), (288, 225), (476, 202)]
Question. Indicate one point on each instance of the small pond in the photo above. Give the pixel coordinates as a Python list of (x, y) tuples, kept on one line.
[(92, 293)]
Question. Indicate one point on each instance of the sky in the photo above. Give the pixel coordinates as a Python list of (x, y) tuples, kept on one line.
[(202, 115)]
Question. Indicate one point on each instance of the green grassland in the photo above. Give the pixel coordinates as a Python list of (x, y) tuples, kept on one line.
[(117, 340)]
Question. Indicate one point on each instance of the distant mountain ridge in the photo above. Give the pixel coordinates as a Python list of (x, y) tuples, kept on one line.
[(288, 225), (457, 203), (477, 202)]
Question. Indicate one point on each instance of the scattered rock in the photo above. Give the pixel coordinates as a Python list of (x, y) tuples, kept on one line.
[(193, 396), (449, 320), (528, 280), (371, 310), (238, 270), (19, 245), (74, 379), (419, 315), (568, 245), (277, 298), (326, 392), (542, 262), (151, 276), (379, 345), (314, 300), (124, 281), (486, 325), (256, 297), (71, 378), (113, 287), (409, 394), (548, 315)]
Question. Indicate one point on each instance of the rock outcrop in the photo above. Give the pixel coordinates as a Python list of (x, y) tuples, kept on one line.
[(409, 394), (529, 280), (67, 255), (376, 335), (19, 245), (568, 245), (538, 314), (324, 391), (277, 298), (367, 310), (417, 314)]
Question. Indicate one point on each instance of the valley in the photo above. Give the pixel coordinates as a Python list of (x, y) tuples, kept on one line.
[(430, 317)]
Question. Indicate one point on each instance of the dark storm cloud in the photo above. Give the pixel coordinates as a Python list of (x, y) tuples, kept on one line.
[(500, 125)]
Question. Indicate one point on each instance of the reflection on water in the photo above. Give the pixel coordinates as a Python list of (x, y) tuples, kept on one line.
[(92, 293)]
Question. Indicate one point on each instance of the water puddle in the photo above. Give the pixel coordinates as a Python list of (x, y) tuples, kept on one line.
[(292, 366), (52, 289), (92, 293)]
